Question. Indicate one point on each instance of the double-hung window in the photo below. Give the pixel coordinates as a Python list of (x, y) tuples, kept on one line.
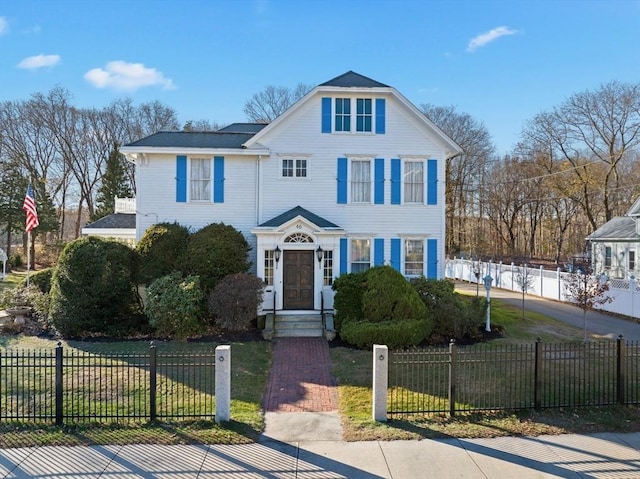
[(413, 257), (343, 114), (414, 182), (200, 179), (632, 260), (294, 168), (361, 181), (607, 256), (364, 114), (360, 255)]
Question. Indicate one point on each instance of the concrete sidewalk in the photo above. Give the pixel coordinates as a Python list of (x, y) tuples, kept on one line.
[(608, 456)]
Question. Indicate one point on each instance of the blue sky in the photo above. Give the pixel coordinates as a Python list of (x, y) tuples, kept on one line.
[(500, 61)]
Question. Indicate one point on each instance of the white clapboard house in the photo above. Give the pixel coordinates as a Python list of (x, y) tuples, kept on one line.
[(349, 177)]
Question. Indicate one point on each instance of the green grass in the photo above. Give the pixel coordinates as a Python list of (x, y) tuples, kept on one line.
[(353, 372), (250, 365), (12, 280)]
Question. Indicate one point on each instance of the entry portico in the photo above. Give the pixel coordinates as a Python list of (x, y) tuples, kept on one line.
[(295, 252)]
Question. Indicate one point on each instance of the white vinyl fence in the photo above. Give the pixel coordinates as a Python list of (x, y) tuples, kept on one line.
[(541, 282)]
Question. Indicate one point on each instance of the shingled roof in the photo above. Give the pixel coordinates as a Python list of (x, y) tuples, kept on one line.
[(195, 139), (299, 211), (114, 221), (621, 228), (353, 79)]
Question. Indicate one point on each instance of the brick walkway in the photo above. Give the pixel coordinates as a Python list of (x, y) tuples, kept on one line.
[(300, 378)]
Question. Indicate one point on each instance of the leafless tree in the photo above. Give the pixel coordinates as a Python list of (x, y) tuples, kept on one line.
[(464, 173), (587, 291), (273, 101)]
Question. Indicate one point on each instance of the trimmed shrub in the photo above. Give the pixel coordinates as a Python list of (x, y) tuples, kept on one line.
[(41, 279), (390, 296), (159, 249), (215, 251), (347, 301), (454, 316), (174, 306), (92, 289), (234, 301), (396, 334)]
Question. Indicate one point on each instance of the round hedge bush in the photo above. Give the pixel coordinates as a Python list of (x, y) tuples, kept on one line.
[(93, 290), (347, 301), (215, 251), (388, 295), (159, 249), (395, 334)]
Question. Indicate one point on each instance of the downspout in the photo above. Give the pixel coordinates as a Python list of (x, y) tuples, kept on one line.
[(258, 189)]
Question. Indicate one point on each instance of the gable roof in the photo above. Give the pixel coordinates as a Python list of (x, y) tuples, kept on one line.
[(295, 212), (620, 228), (353, 79), (114, 221)]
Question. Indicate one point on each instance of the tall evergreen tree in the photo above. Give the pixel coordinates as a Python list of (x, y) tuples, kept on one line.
[(14, 187), (114, 183)]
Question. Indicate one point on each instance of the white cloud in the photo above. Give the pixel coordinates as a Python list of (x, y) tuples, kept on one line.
[(4, 25), (484, 38), (39, 61), (122, 75)]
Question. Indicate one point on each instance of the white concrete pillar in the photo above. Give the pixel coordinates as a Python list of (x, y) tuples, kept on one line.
[(223, 383), (380, 382)]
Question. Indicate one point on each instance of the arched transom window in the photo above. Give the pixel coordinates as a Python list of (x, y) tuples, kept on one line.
[(298, 238)]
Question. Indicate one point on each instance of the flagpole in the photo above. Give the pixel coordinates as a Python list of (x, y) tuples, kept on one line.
[(28, 255)]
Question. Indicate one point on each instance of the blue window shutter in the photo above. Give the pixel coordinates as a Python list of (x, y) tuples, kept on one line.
[(181, 179), (432, 258), (378, 193), (343, 256), (326, 115), (218, 179), (378, 251), (342, 181), (396, 182), (432, 182), (380, 116), (396, 243)]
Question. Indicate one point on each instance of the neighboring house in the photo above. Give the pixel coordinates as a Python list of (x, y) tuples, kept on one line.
[(615, 245), (120, 226), (351, 176)]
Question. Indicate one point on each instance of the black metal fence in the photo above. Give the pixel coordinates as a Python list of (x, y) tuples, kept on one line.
[(76, 386), (512, 377)]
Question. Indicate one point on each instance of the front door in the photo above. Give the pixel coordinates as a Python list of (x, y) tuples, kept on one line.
[(298, 279)]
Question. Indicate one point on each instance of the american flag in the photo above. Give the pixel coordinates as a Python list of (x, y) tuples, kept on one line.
[(29, 206)]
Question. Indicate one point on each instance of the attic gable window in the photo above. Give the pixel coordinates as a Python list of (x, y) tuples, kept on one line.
[(343, 114), (363, 114), (368, 116)]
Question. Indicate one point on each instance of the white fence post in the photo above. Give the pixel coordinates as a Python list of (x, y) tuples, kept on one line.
[(380, 382), (223, 383)]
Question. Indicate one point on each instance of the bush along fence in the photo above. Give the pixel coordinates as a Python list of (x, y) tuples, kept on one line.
[(75, 386), (504, 377)]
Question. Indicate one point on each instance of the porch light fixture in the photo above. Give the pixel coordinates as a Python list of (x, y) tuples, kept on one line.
[(319, 254), (276, 253)]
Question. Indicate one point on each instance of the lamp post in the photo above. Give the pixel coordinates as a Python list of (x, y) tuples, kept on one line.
[(487, 285)]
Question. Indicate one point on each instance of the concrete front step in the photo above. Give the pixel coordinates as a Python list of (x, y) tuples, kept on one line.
[(298, 326)]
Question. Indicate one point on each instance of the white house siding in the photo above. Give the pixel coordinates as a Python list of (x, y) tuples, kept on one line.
[(156, 195), (404, 137)]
